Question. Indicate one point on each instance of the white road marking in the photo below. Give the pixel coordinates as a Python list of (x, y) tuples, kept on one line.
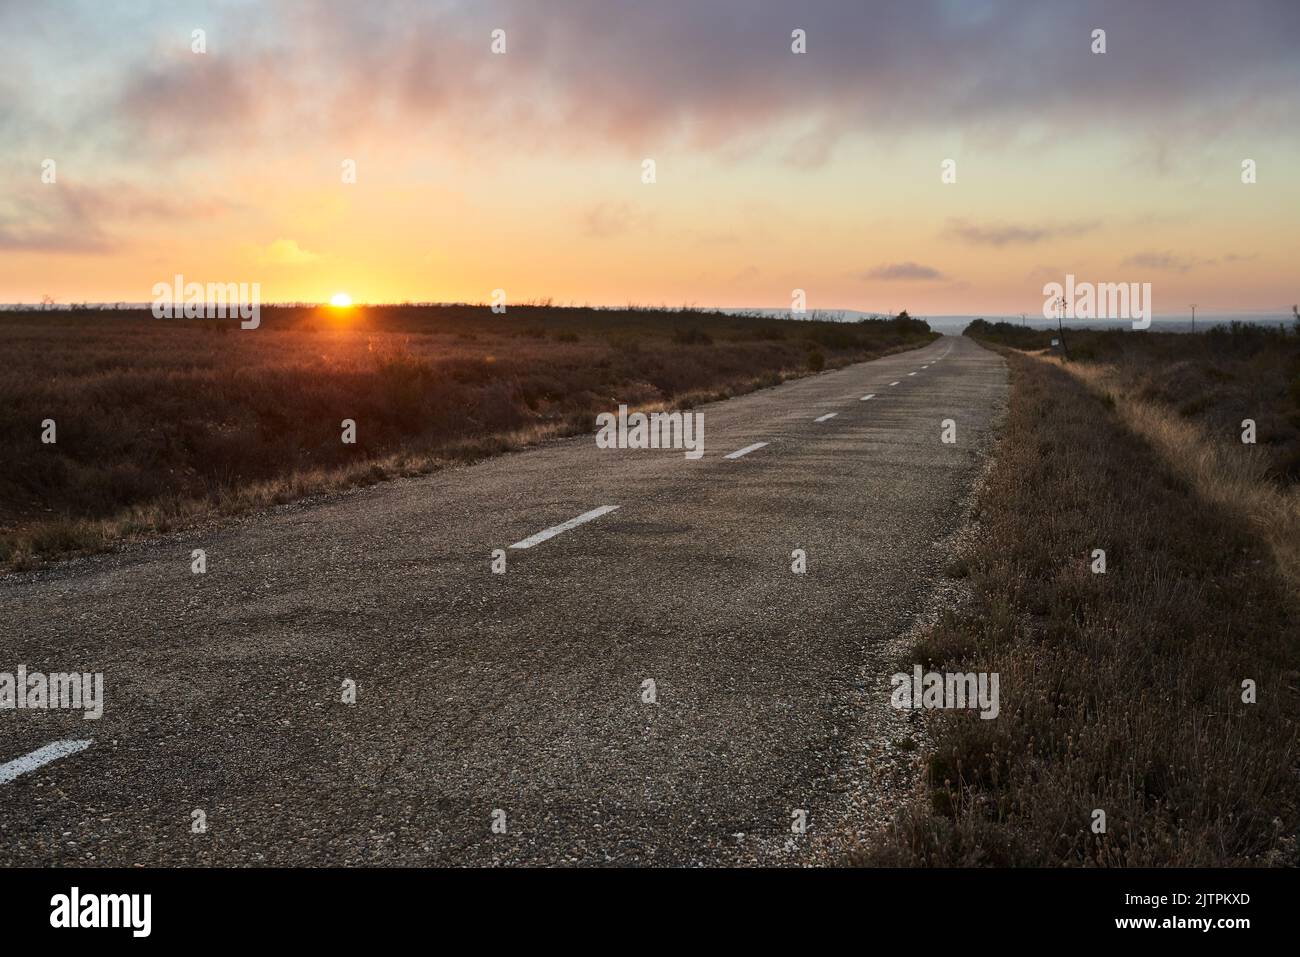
[(746, 450), (43, 755), (893, 383), (551, 532), (828, 415), (911, 373), (866, 397)]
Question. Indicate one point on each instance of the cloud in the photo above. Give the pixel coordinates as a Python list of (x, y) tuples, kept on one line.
[(284, 252), (73, 218), (51, 218), (54, 241), (904, 272), (1015, 234), (636, 75), (1164, 261), (197, 101)]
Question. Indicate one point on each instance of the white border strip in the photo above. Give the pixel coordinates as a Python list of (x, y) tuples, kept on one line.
[(41, 756), (746, 450), (554, 530)]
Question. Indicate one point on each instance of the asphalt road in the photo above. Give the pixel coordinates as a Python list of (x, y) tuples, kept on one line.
[(519, 692)]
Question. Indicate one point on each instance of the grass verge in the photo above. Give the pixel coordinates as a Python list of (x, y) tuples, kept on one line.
[(1120, 692)]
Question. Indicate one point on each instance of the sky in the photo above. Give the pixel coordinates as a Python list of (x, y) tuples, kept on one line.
[(774, 170)]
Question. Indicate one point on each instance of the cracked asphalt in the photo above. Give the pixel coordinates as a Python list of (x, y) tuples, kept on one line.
[(519, 692)]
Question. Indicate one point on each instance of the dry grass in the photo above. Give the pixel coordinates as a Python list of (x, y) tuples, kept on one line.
[(1119, 691), (1214, 379), (163, 423), (1234, 476)]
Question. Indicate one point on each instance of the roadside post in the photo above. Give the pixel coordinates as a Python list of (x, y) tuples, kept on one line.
[(1060, 327)]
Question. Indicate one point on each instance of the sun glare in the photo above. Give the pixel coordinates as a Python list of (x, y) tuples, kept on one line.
[(340, 300)]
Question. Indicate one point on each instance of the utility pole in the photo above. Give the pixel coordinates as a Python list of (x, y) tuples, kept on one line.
[(1193, 317), (1022, 319), (1060, 328)]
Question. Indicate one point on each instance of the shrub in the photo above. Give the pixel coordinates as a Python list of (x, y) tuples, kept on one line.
[(692, 337)]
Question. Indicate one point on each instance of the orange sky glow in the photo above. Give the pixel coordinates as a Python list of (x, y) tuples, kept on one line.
[(774, 171)]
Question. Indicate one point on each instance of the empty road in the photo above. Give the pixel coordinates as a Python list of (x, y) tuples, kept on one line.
[(225, 739)]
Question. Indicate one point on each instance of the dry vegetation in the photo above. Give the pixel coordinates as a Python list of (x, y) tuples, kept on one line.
[(1123, 691), (1213, 380), (163, 422)]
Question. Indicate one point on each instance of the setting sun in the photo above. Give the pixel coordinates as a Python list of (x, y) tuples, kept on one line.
[(340, 300)]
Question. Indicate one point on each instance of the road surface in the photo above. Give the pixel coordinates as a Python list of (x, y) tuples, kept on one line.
[(520, 693)]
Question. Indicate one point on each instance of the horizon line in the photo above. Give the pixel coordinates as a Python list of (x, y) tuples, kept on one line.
[(125, 306)]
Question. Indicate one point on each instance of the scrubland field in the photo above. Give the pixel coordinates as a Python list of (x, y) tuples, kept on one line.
[(1122, 692), (1212, 380), (163, 422)]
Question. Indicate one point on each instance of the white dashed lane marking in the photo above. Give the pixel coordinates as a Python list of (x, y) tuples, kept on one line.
[(893, 383), (554, 530), (866, 397), (41, 756), (828, 415), (746, 450)]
